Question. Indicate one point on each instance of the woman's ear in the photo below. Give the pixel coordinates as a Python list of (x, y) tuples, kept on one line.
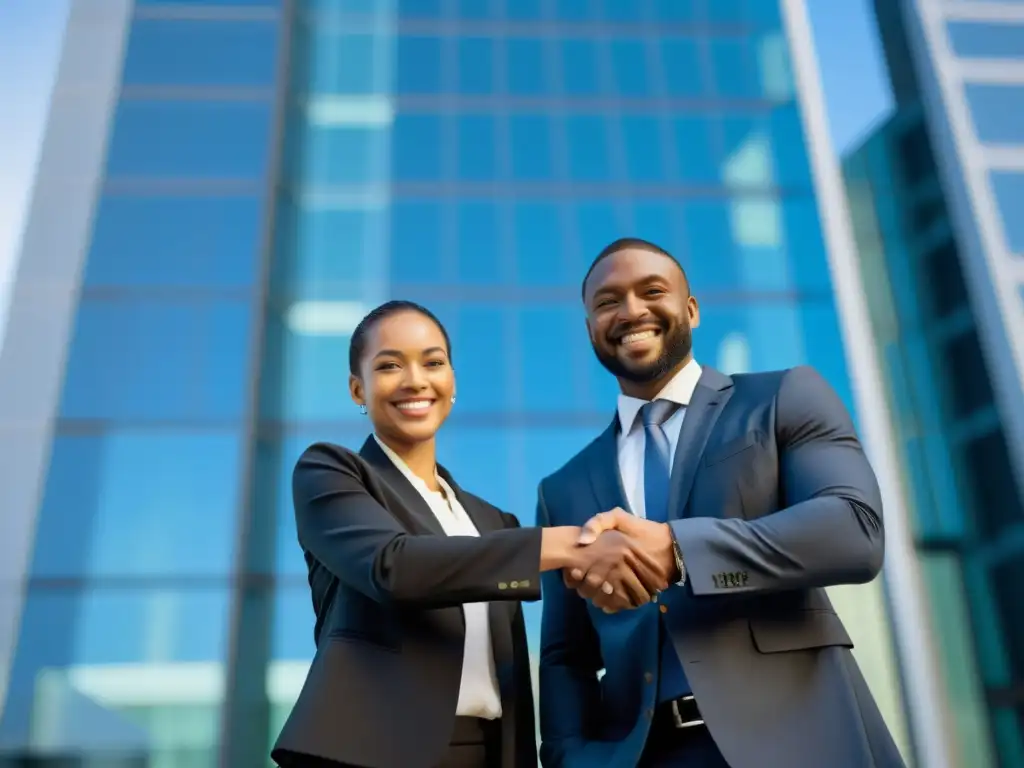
[(355, 390)]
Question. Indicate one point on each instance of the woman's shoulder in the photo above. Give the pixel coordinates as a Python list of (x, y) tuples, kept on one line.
[(324, 456)]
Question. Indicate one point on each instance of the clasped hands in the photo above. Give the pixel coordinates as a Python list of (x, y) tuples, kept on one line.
[(620, 561)]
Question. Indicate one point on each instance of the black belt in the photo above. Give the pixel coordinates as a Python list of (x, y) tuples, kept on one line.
[(678, 714), (476, 730)]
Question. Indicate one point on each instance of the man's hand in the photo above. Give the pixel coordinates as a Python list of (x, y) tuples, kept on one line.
[(615, 573), (653, 539)]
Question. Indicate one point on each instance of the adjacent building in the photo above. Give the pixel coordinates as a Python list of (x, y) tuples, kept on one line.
[(936, 194), (207, 228)]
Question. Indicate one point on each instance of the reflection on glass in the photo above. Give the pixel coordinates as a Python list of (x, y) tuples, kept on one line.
[(775, 68), (995, 110), (120, 673), (734, 354), (986, 39)]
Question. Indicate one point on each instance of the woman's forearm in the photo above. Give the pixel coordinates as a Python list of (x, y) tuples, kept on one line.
[(556, 546)]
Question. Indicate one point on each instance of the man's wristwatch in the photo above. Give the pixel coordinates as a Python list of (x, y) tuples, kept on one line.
[(678, 554)]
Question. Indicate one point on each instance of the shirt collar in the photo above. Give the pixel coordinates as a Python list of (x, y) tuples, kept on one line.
[(412, 477), (679, 390)]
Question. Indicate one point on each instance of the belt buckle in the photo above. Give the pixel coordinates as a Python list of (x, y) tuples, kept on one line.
[(677, 718)]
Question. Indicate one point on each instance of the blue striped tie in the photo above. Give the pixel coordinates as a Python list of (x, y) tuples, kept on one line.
[(672, 682)]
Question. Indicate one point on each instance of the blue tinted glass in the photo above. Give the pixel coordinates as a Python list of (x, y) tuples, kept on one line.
[(124, 646), (419, 65), (996, 111), (259, 3), (695, 150), (986, 40), (747, 160), (766, 14), (789, 149), (415, 148), (645, 157), (476, 65), (684, 73), (304, 373), (233, 52), (734, 73), (623, 10), (629, 67), (539, 244), (573, 10), (476, 146), (579, 67), (416, 254), (1008, 187), (526, 10), (675, 10), (420, 8), (598, 223), (588, 148), (709, 250), (531, 147), (175, 241), (475, 9), (131, 504), (198, 139), (140, 358), (553, 357), (726, 11), (760, 242), (331, 154), (482, 371), (326, 60), (479, 242), (805, 243), (326, 250), (479, 462), (652, 221), (291, 636), (525, 68)]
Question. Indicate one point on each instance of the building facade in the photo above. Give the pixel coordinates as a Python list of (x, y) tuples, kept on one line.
[(228, 216), (935, 198)]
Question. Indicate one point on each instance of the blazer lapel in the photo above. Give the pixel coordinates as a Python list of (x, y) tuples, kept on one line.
[(712, 392), (604, 472), (420, 515)]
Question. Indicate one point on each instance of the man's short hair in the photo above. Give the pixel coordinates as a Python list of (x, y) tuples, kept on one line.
[(622, 244)]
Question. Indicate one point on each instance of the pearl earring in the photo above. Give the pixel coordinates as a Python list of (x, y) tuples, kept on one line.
[(362, 409), (453, 399)]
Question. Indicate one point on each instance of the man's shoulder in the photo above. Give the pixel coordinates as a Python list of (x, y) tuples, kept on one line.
[(767, 383)]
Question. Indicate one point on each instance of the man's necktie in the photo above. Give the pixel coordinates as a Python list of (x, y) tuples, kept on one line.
[(672, 682)]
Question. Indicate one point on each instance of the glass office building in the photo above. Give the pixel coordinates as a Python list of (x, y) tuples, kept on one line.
[(935, 217), (226, 187)]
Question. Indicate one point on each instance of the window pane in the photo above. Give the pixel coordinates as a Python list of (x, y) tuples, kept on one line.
[(1008, 187), (645, 161), (597, 225), (480, 463), (985, 40), (539, 244), (182, 139), (747, 162), (416, 148), (137, 673), (475, 9), (996, 110), (695, 149), (478, 335), (573, 10), (145, 359), (476, 146), (675, 10), (652, 221), (551, 371), (327, 60), (416, 251), (629, 68), (526, 67), (805, 244), (531, 147), (588, 148), (476, 65), (480, 242), (242, 53), (419, 65), (684, 75), (789, 148), (131, 504), (707, 227), (580, 67), (332, 153), (175, 241), (524, 10), (327, 250), (734, 73), (428, 9)]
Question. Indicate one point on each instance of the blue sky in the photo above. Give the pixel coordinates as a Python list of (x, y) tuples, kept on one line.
[(853, 77)]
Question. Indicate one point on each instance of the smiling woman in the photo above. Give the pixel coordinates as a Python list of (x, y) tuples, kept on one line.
[(416, 583)]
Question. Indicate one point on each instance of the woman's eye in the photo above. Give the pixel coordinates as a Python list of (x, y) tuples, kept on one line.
[(386, 367), (435, 363)]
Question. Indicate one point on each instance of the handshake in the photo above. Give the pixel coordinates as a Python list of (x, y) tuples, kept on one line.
[(616, 560)]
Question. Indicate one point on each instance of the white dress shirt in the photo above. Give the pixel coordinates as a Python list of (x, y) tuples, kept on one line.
[(478, 692), (631, 432)]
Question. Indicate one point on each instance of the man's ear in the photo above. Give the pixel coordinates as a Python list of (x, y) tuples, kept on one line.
[(693, 310)]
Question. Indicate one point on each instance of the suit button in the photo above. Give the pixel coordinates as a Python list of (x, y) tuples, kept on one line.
[(502, 585), (663, 608), (514, 584), (648, 677)]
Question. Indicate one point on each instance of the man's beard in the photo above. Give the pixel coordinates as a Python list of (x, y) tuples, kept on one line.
[(676, 347)]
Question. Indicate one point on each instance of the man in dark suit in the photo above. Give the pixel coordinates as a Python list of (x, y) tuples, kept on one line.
[(754, 492)]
